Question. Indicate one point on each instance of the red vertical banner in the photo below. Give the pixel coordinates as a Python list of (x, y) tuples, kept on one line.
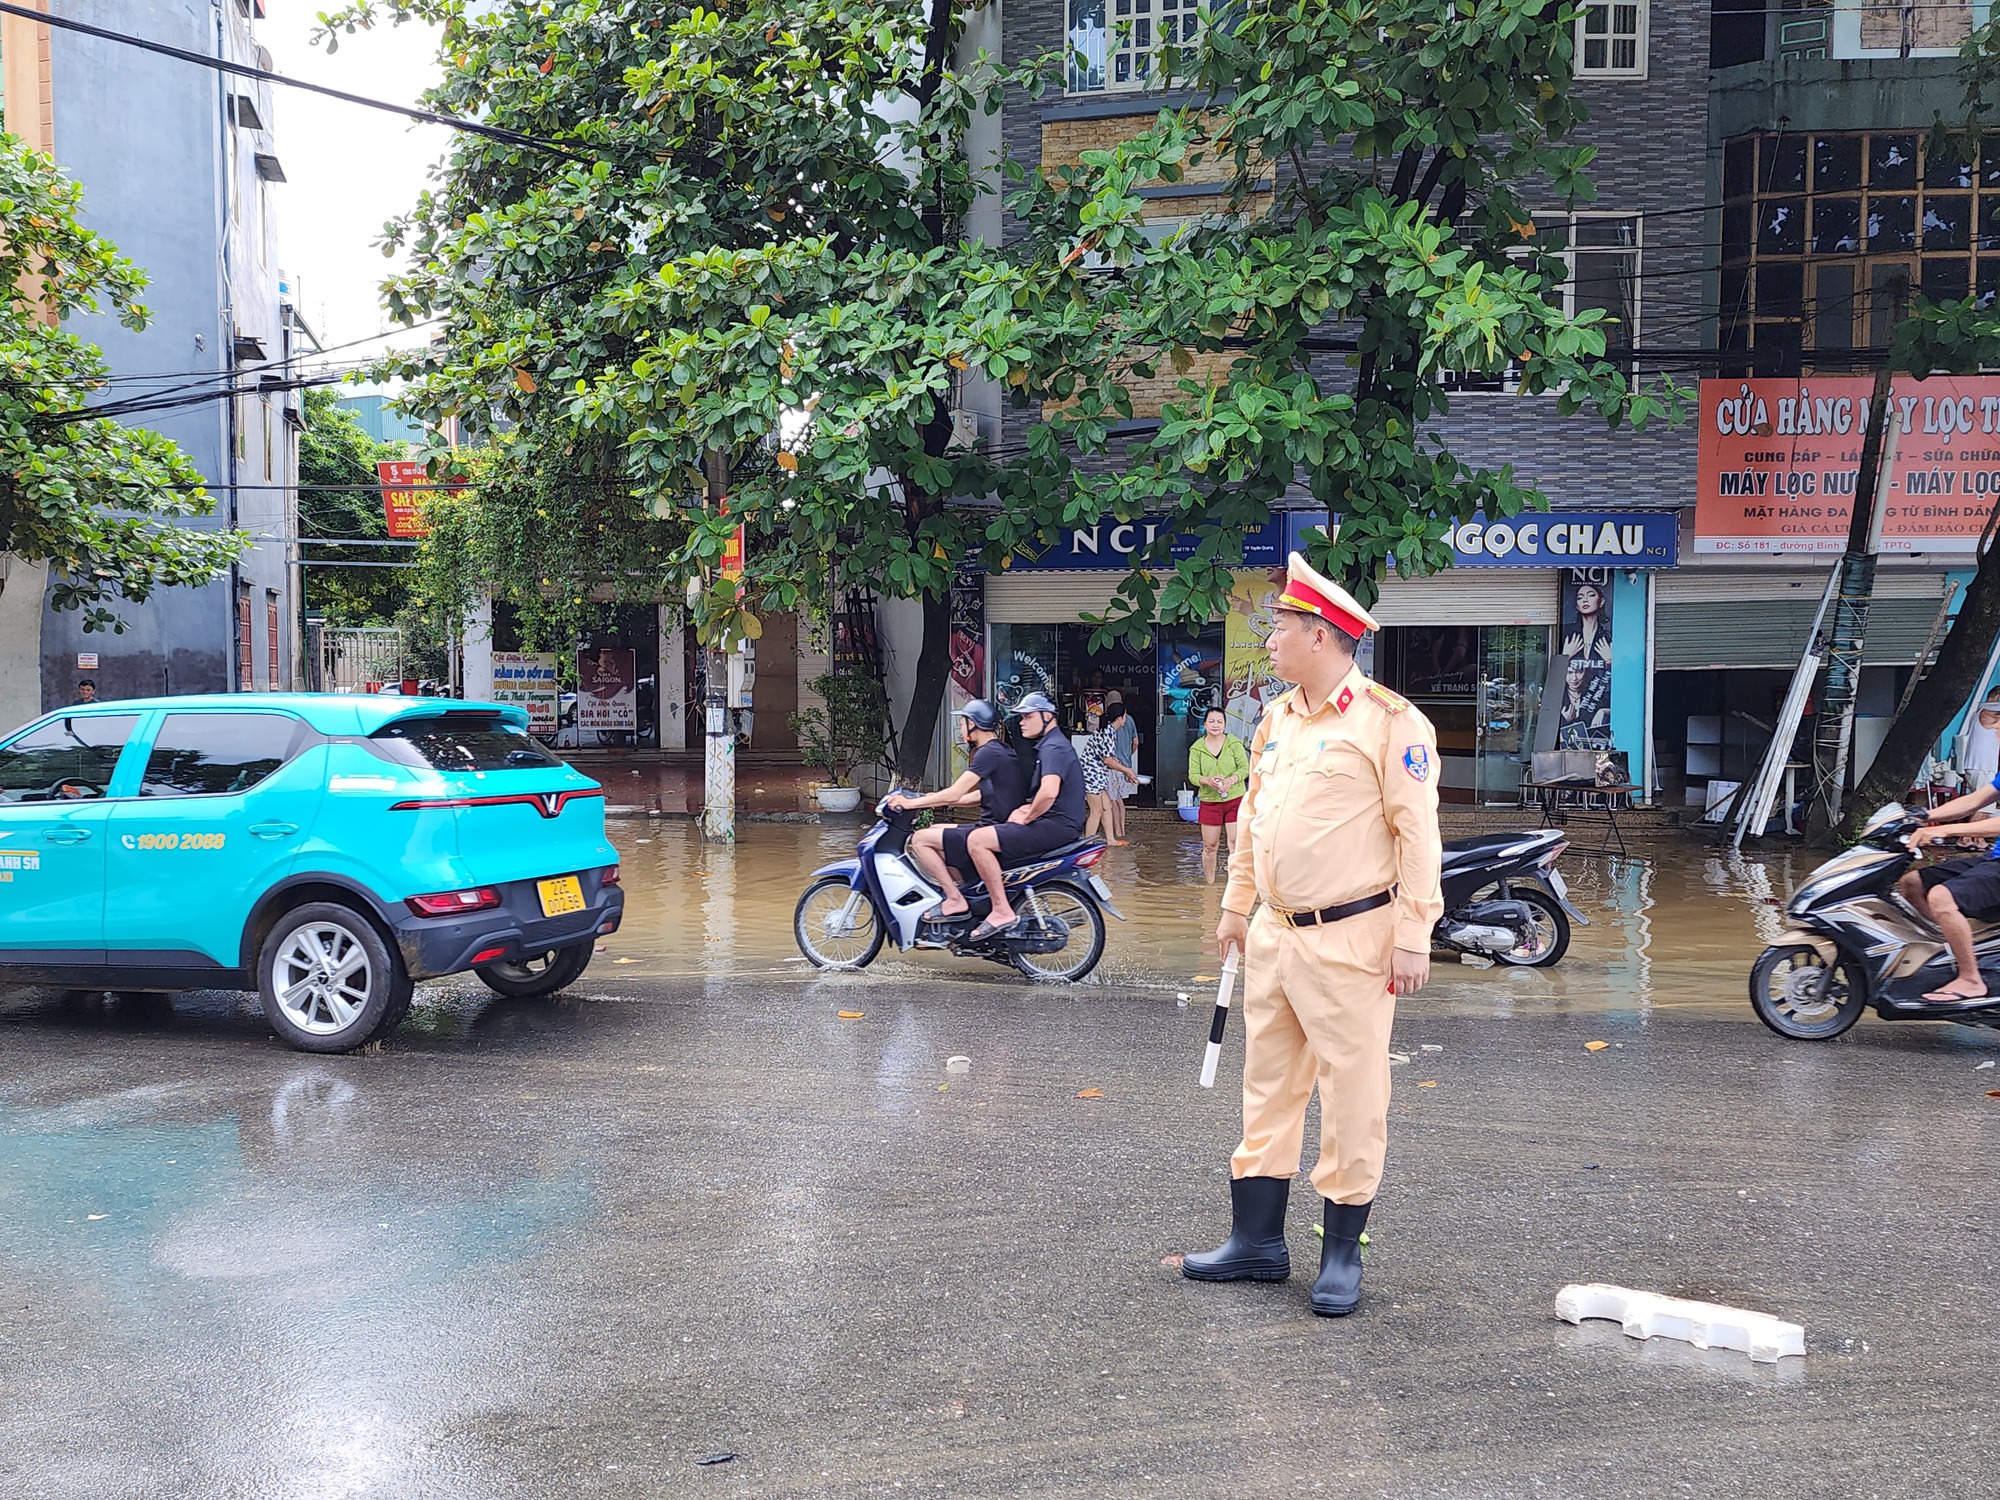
[(405, 484)]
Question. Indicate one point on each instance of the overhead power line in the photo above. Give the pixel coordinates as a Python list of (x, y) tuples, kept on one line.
[(264, 75)]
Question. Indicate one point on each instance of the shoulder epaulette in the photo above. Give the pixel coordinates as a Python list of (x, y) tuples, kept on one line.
[(1392, 702)]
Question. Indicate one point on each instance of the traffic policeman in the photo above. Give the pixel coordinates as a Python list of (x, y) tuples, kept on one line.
[(1340, 844)]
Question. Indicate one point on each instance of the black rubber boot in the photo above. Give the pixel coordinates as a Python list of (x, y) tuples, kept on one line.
[(1337, 1291), (1255, 1249)]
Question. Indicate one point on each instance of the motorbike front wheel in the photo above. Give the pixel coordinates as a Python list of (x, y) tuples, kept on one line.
[(1548, 935), (1785, 993), (1044, 907), (837, 926)]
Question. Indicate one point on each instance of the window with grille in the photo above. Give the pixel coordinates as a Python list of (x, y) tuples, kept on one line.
[(246, 668), (1611, 39), (1600, 257), (1116, 44), (1826, 237), (272, 652)]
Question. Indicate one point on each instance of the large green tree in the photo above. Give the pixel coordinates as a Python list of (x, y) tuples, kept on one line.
[(741, 256), (97, 502), (340, 497)]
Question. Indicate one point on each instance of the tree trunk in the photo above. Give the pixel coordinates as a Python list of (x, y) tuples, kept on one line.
[(1937, 699), (913, 749)]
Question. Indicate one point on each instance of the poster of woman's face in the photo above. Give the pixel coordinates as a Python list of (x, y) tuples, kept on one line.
[(1586, 614)]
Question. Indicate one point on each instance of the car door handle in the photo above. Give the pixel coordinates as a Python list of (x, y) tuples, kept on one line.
[(274, 830), (69, 833)]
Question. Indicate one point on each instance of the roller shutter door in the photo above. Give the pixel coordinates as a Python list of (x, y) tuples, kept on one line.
[(1471, 596), (1483, 596), (1760, 619)]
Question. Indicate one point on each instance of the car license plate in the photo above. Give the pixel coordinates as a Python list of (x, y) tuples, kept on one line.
[(1097, 884), (560, 896), (1560, 886)]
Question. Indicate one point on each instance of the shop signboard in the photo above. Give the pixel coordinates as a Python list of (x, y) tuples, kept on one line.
[(529, 679), (607, 689), (406, 484), (1778, 461), (1112, 544), (1569, 539)]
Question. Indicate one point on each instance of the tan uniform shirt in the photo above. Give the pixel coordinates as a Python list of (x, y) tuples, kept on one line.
[(1342, 804)]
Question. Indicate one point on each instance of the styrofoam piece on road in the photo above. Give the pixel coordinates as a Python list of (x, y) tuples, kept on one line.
[(1706, 1325)]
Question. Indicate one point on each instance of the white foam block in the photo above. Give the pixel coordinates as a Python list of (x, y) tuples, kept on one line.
[(1706, 1325)]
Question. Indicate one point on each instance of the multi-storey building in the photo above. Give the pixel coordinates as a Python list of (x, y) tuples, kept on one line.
[(177, 162), (1708, 120)]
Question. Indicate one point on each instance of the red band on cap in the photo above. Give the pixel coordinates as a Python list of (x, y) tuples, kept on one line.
[(1304, 596)]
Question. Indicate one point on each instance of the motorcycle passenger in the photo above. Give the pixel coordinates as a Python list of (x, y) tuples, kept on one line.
[(1054, 818), (993, 780), (1958, 888)]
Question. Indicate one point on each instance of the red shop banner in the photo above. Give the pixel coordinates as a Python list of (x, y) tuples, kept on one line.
[(1778, 461)]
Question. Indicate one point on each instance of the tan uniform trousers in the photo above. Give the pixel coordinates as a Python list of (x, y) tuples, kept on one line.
[(1317, 1008)]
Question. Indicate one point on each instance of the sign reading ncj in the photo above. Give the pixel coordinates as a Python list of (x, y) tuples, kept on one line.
[(1570, 539)]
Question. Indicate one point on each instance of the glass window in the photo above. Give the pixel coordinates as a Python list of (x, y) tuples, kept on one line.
[(1781, 289), (1781, 226), (1739, 167), (197, 755), (1116, 44), (1892, 223), (69, 760), (1611, 37), (1947, 166), (1837, 164), (1947, 279), (1836, 226), (1781, 166), (1833, 306), (1947, 221), (1892, 161), (460, 742)]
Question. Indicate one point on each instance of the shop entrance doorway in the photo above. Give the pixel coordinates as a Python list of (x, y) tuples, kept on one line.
[(1481, 688), (1089, 681)]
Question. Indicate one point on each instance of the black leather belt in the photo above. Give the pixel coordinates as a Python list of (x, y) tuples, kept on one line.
[(1341, 912)]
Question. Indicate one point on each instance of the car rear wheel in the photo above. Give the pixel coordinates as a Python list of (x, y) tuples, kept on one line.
[(543, 974), (328, 981)]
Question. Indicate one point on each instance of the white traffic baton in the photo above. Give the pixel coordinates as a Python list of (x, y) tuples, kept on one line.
[(1221, 1018)]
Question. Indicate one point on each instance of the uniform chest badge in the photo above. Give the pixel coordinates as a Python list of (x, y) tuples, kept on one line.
[(1345, 699), (1417, 761)]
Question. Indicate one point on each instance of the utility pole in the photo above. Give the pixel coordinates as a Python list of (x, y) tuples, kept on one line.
[(718, 815), (1833, 734)]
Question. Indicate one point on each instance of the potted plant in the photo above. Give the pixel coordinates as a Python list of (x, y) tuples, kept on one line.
[(845, 733)]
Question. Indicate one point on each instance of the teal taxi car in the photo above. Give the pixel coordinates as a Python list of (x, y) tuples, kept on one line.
[(326, 851)]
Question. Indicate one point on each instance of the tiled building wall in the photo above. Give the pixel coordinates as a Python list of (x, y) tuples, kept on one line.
[(1651, 138)]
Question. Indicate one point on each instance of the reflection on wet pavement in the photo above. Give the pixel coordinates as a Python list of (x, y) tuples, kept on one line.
[(1674, 928)]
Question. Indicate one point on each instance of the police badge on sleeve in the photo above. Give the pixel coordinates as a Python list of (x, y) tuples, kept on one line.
[(1417, 761)]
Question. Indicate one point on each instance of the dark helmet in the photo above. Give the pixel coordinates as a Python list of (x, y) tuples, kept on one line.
[(979, 713), (1035, 703)]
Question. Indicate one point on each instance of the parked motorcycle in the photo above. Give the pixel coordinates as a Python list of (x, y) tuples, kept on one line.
[(1855, 943), (1504, 898), (853, 905)]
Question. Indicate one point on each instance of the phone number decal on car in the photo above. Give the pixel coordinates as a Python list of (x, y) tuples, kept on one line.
[(176, 840)]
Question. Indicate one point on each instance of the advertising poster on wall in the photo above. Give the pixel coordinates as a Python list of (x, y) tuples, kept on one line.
[(1246, 665), (1778, 459), (968, 653), (529, 679), (1583, 720), (406, 485), (607, 689)]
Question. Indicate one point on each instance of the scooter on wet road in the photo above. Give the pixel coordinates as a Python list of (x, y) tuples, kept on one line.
[(854, 905), (1504, 898), (1854, 943)]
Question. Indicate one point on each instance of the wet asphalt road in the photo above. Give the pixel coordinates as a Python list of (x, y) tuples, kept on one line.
[(573, 1247)]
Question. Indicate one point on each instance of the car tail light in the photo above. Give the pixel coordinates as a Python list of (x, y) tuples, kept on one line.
[(451, 903), (1085, 861), (608, 875)]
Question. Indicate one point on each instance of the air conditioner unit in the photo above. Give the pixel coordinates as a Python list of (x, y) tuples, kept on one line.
[(964, 431)]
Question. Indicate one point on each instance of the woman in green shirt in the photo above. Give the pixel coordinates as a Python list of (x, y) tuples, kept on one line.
[(1219, 767)]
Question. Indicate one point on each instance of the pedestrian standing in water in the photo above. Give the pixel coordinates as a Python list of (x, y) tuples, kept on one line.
[(1093, 750), (1219, 768), (1124, 780), (1341, 846), (1121, 778)]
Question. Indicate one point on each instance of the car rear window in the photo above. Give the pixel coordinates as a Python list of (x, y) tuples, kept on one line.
[(70, 759), (199, 755), (460, 742)]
